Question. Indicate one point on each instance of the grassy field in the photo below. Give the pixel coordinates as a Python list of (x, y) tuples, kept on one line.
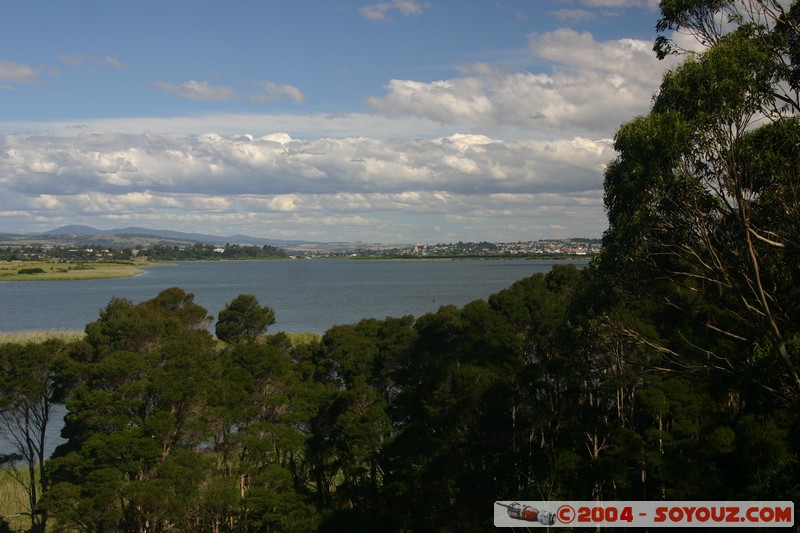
[(45, 271)]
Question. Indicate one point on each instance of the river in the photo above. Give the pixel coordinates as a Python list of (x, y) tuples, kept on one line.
[(307, 295)]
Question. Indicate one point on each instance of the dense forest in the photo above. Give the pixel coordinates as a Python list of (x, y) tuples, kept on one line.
[(667, 369)]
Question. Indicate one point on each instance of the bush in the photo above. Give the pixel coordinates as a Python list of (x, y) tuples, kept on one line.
[(30, 271)]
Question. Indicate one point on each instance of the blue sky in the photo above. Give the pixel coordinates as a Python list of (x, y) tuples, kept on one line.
[(401, 121)]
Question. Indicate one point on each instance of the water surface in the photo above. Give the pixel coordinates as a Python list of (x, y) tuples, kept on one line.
[(307, 295)]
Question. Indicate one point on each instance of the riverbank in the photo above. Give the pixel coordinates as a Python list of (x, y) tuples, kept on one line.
[(466, 257), (50, 271)]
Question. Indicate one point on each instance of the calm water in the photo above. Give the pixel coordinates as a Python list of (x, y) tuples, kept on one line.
[(307, 295)]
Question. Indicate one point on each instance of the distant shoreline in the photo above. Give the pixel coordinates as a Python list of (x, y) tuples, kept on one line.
[(22, 271), (585, 258)]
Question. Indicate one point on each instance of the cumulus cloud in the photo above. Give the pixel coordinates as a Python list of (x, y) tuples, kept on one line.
[(195, 90), (591, 86), (295, 185), (381, 10), (279, 164), (17, 72), (631, 60)]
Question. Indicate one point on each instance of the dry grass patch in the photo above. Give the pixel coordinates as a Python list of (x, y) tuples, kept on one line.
[(33, 336)]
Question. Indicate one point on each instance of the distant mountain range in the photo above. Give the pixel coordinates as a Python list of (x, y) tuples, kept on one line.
[(87, 231), (76, 235)]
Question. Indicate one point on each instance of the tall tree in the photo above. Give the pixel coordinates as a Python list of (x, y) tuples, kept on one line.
[(29, 386), (704, 198)]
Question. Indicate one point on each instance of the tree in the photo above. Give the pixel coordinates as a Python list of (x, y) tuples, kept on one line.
[(135, 420), (243, 320), (704, 197), (29, 386)]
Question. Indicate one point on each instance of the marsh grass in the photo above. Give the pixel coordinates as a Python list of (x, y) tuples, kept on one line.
[(34, 336), (71, 335), (13, 501), (299, 339)]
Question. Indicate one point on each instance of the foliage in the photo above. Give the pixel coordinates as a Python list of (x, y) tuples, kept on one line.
[(243, 320), (199, 251), (395, 424), (35, 270)]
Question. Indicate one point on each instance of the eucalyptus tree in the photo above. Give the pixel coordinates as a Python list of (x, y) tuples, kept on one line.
[(704, 198)]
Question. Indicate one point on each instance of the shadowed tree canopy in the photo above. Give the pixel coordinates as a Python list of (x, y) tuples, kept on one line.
[(243, 320), (704, 201)]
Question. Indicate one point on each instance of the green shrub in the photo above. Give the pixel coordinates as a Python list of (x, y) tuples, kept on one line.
[(30, 271)]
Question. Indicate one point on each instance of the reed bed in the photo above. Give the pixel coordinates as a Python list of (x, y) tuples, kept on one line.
[(41, 335), (13, 502), (299, 339), (70, 335)]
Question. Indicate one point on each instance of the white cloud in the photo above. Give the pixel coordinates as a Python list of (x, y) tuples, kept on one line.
[(448, 101), (17, 72), (380, 11), (329, 187), (591, 86), (631, 59), (195, 90), (277, 164), (271, 91)]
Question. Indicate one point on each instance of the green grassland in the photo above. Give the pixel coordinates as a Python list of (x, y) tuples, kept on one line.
[(47, 271)]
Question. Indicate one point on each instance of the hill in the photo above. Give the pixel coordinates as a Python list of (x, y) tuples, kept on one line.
[(129, 237), (76, 235)]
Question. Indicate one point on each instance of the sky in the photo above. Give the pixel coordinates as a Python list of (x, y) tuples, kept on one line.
[(396, 121)]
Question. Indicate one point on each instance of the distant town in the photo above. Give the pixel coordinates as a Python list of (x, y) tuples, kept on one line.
[(531, 249), (520, 249), (83, 243), (199, 251)]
